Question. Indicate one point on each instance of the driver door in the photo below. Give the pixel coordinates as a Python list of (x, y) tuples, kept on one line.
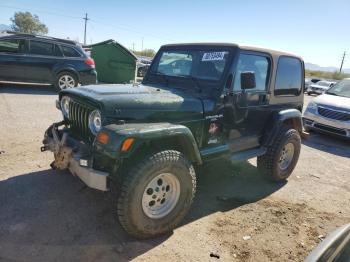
[(247, 110)]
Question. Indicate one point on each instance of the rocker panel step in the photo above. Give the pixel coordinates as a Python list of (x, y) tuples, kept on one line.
[(245, 155)]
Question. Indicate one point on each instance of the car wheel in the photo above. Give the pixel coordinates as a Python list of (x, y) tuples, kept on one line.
[(279, 161), (140, 72), (65, 80), (156, 194), (308, 93)]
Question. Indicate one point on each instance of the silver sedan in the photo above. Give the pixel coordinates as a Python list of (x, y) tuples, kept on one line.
[(330, 112)]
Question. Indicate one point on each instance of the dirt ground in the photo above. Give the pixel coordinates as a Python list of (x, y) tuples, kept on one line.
[(48, 215)]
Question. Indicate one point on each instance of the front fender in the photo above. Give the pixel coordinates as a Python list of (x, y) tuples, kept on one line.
[(143, 133), (290, 116)]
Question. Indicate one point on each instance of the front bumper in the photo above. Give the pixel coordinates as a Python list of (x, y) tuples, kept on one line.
[(69, 154), (320, 123)]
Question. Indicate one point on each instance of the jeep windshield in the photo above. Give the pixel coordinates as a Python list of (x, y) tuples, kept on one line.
[(340, 89), (193, 64)]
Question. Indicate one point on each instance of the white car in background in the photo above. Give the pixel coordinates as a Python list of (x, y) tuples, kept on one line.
[(330, 112), (310, 81), (320, 87)]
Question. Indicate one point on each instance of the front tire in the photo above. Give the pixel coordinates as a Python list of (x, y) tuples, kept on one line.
[(156, 194), (281, 158)]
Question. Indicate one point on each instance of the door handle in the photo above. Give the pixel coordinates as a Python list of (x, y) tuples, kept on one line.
[(264, 98)]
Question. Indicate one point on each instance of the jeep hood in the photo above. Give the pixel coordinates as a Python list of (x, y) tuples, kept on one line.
[(333, 101), (128, 101)]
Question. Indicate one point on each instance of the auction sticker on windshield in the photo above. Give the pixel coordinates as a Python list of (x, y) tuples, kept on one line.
[(213, 56)]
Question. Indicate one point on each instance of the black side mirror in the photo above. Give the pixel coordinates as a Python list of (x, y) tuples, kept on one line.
[(248, 80)]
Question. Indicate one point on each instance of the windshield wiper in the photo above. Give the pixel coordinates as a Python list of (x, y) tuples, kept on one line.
[(194, 80), (331, 93), (164, 77)]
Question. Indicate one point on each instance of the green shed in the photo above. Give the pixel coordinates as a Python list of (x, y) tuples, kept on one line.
[(114, 63)]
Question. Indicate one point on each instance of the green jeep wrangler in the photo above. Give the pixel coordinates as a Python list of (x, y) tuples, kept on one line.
[(196, 103)]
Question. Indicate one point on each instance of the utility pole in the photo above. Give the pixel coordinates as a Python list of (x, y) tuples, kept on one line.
[(342, 62), (142, 47), (133, 47), (86, 19)]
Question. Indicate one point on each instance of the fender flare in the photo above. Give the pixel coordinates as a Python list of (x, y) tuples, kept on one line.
[(147, 132), (292, 116), (70, 69)]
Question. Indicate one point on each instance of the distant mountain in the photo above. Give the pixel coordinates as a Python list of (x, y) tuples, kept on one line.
[(315, 67), (4, 27)]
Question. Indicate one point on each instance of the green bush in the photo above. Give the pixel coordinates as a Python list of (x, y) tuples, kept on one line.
[(328, 75), (147, 52)]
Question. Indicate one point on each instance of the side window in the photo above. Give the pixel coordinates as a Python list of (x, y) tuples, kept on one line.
[(12, 46), (70, 52), (58, 51), (289, 76), (260, 65), (41, 48)]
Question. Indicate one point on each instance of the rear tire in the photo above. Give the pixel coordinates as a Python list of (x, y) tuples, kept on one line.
[(281, 158), (65, 80), (156, 194)]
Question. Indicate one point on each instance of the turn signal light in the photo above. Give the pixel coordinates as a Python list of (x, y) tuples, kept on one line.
[(127, 144), (103, 138)]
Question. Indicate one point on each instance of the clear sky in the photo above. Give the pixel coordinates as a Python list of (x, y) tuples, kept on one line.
[(319, 31)]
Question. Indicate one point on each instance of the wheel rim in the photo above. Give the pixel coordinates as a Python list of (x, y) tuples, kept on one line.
[(286, 156), (161, 195), (66, 81)]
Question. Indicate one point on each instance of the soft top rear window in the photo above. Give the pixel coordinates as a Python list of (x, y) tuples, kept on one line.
[(289, 76)]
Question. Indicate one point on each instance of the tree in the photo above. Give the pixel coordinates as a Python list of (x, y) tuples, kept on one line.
[(25, 22), (148, 52), (145, 52), (327, 75)]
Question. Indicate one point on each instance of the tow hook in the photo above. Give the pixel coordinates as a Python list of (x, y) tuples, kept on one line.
[(57, 145), (52, 165), (44, 148), (304, 134), (62, 157)]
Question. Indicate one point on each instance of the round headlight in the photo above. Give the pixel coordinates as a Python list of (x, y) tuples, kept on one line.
[(65, 106), (312, 105), (95, 121), (311, 108)]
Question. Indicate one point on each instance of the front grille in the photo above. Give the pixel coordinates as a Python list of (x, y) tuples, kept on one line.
[(79, 119), (333, 114)]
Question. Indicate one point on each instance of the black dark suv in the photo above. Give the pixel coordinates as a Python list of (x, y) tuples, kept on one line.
[(196, 103), (45, 60)]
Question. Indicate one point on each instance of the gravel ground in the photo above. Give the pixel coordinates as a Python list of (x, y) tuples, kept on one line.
[(48, 215)]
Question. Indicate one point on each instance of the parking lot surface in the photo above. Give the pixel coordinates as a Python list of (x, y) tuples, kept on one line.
[(49, 215)]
